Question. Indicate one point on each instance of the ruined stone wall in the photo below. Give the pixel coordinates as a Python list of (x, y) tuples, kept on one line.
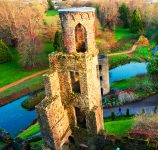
[(66, 112), (69, 21), (104, 74)]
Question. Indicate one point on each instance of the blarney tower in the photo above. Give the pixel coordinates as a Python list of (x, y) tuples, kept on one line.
[(71, 116)]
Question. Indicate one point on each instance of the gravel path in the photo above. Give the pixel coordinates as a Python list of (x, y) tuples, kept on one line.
[(148, 104)]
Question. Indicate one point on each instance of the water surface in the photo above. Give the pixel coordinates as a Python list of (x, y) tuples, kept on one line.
[(13, 118), (127, 71)]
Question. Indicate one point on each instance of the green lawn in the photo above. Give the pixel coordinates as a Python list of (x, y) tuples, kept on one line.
[(131, 82), (119, 127), (30, 131), (31, 83), (12, 71), (122, 33), (51, 16)]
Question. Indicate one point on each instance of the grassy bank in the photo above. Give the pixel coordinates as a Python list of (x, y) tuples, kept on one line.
[(32, 84), (31, 102), (122, 33), (119, 127), (30, 131)]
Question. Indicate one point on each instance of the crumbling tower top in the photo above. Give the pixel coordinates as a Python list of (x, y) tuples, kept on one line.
[(77, 9), (78, 29)]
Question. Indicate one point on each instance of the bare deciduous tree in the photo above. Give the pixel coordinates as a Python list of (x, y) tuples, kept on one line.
[(24, 24)]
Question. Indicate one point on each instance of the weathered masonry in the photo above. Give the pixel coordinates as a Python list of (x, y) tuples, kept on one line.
[(71, 115)]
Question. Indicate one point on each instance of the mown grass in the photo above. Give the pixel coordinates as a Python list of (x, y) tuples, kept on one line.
[(122, 33), (130, 83), (119, 127), (12, 71), (30, 131), (31, 83), (51, 16)]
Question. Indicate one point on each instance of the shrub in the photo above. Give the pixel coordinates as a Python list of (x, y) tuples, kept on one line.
[(143, 110), (143, 41), (50, 4), (113, 116), (31, 102), (147, 123), (155, 109), (5, 54), (127, 112)]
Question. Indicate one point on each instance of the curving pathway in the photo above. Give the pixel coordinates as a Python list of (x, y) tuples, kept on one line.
[(22, 80), (125, 52), (148, 104)]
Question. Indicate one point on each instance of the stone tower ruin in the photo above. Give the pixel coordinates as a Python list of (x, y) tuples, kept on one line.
[(71, 115)]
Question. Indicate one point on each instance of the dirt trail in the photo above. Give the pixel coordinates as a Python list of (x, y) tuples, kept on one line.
[(125, 52), (22, 80)]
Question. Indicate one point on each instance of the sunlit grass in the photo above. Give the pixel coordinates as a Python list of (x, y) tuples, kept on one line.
[(30, 131), (119, 127)]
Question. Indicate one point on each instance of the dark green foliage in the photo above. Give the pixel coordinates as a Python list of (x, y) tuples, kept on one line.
[(153, 70), (127, 112), (31, 102), (124, 15), (58, 41), (116, 61), (143, 110), (5, 54), (155, 109), (156, 38), (136, 24), (113, 116), (50, 4)]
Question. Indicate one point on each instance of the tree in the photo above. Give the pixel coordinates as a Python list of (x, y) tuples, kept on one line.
[(108, 13), (136, 24), (30, 50), (17, 19), (5, 54), (50, 4), (24, 24), (113, 116), (58, 41), (124, 15), (153, 70)]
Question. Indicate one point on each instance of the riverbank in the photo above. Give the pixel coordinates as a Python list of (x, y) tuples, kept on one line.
[(147, 104), (16, 95)]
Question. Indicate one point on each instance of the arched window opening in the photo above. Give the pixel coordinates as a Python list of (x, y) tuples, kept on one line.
[(80, 35)]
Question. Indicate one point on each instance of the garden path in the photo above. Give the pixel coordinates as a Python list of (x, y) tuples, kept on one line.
[(22, 80), (125, 52), (148, 104)]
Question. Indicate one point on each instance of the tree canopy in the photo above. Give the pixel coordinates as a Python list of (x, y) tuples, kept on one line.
[(124, 15), (136, 24)]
